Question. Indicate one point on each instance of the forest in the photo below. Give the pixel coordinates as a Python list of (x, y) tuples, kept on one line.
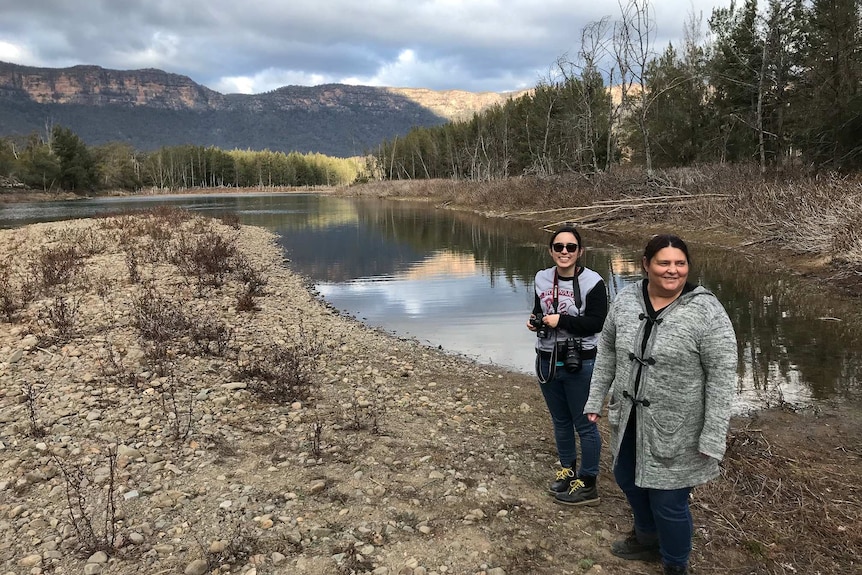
[(776, 85), (62, 161)]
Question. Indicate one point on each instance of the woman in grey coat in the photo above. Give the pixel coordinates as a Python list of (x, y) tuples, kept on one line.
[(668, 355)]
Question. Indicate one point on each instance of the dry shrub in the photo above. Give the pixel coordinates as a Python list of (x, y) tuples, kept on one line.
[(15, 293), (30, 394), (160, 322), (209, 258), (57, 265), (789, 510), (245, 300), (91, 507), (171, 216), (230, 219), (245, 272), (209, 336), (60, 318), (812, 214), (132, 265), (177, 404), (158, 222), (113, 369), (282, 373), (9, 302), (253, 282)]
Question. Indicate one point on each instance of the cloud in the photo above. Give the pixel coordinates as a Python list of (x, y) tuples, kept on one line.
[(258, 45)]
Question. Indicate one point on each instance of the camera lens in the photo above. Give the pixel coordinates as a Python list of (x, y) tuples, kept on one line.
[(572, 358)]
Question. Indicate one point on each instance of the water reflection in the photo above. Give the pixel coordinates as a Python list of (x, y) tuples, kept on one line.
[(464, 283)]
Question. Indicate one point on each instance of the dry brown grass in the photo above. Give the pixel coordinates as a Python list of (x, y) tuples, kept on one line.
[(813, 215), (793, 503)]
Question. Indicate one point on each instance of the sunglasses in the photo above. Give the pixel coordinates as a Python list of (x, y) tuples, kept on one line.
[(571, 248)]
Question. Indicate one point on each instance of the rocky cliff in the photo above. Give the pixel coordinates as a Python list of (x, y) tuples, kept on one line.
[(96, 86), (152, 108)]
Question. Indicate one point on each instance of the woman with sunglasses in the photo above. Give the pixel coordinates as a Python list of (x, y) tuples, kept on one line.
[(668, 354), (570, 307)]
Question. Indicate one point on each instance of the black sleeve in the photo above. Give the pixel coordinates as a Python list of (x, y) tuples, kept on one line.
[(537, 305), (594, 315)]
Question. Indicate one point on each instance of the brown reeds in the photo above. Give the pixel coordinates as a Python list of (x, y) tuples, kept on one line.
[(792, 509), (811, 214)]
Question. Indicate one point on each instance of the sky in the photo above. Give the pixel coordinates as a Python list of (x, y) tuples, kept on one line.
[(254, 46)]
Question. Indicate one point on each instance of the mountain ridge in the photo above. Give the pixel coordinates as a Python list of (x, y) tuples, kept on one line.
[(151, 108)]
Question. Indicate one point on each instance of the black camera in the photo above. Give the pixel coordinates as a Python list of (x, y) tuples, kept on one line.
[(541, 329), (570, 351)]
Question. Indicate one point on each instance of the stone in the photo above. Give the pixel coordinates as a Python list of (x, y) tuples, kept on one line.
[(30, 560), (196, 567), (98, 557), (316, 486)]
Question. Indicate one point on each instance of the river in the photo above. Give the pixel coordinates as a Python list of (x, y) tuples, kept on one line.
[(464, 283)]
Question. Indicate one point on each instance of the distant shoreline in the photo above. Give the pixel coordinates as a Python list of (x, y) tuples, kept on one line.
[(23, 196)]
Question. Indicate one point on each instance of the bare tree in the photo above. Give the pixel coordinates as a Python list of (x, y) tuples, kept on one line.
[(636, 30)]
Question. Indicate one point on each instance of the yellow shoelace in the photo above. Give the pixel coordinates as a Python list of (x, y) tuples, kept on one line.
[(563, 473), (575, 485)]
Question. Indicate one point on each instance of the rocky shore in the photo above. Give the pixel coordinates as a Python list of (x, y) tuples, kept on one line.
[(164, 409)]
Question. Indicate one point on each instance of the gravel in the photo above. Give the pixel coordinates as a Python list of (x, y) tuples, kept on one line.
[(399, 459)]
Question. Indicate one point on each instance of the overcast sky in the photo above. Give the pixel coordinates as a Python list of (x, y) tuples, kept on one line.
[(252, 46)]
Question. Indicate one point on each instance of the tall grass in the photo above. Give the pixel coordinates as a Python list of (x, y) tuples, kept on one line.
[(819, 215)]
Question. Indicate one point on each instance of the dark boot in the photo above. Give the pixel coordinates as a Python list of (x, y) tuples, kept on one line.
[(581, 491), (639, 547), (561, 483), (675, 569)]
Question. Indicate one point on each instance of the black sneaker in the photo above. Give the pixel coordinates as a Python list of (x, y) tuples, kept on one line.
[(578, 494), (634, 549), (675, 569), (561, 483)]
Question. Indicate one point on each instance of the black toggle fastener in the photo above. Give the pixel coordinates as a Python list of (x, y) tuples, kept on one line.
[(649, 361), (644, 316), (644, 402)]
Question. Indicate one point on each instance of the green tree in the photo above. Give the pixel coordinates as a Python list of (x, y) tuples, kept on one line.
[(676, 115), (782, 66), (7, 157), (77, 168), (38, 166), (117, 167), (829, 99), (735, 67)]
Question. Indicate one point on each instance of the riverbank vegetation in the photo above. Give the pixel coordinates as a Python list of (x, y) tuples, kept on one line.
[(813, 223), (774, 83), (61, 161)]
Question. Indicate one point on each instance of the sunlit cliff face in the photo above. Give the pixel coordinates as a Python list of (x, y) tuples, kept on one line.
[(92, 85), (442, 264)]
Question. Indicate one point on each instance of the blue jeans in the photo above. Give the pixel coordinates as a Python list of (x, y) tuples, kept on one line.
[(566, 395), (662, 512)]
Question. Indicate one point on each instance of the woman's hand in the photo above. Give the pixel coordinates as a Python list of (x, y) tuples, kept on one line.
[(593, 417), (552, 320), (530, 325)]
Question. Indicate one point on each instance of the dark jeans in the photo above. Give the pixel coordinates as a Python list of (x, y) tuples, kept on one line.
[(662, 512), (566, 394)]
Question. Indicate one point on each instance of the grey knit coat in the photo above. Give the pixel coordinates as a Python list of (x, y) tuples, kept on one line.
[(686, 390)]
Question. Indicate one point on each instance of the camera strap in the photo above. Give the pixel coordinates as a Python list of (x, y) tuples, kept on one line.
[(576, 294), (576, 291)]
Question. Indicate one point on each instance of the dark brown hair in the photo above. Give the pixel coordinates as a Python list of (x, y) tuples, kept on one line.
[(566, 228), (662, 241)]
